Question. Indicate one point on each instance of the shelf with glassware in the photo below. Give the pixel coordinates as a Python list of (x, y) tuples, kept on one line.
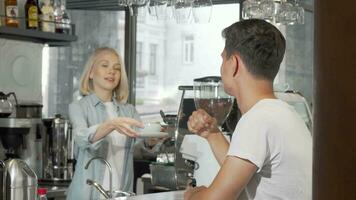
[(47, 23), (38, 36)]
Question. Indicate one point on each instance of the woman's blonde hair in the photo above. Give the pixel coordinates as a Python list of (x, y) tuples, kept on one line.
[(121, 92)]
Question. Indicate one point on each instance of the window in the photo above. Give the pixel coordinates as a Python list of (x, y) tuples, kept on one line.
[(179, 53), (153, 59), (63, 66), (139, 55), (168, 55), (141, 73), (188, 49)]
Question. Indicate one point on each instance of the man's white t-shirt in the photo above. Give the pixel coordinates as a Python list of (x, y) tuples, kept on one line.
[(272, 136)]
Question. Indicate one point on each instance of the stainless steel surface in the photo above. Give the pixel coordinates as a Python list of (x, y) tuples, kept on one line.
[(119, 193), (164, 175), (15, 123), (175, 176), (168, 119), (56, 192), (19, 181), (110, 171), (175, 195), (58, 148), (106, 194)]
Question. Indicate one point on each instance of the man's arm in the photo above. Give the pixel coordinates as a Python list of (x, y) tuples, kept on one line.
[(201, 123), (232, 178), (219, 145)]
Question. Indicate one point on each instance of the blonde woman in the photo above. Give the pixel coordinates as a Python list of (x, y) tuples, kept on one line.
[(103, 125)]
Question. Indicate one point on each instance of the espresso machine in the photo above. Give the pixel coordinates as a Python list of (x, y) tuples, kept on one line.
[(21, 143), (174, 171)]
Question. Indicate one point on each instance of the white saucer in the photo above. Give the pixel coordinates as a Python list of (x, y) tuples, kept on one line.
[(152, 134)]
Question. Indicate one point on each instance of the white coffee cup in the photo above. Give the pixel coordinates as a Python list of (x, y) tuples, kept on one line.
[(151, 127)]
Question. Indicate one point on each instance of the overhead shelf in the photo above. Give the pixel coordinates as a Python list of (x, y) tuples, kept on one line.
[(52, 39), (114, 4)]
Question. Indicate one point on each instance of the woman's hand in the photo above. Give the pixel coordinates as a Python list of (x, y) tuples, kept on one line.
[(201, 123), (124, 125), (121, 124)]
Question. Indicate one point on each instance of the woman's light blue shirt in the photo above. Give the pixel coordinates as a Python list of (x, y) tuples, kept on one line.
[(86, 115)]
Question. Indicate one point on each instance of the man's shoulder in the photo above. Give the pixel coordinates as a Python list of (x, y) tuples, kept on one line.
[(269, 108)]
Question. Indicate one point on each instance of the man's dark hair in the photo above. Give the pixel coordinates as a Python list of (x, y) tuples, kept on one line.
[(260, 45)]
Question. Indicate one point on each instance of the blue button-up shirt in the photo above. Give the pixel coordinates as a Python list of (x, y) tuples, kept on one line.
[(86, 115)]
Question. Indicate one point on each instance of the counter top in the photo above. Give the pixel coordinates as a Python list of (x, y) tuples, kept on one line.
[(174, 195)]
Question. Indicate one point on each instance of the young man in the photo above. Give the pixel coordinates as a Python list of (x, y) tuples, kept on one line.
[(270, 154)]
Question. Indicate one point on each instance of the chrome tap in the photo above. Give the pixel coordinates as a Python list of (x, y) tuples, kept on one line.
[(99, 188), (110, 176)]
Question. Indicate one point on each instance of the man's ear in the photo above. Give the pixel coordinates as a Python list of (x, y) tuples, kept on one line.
[(237, 61)]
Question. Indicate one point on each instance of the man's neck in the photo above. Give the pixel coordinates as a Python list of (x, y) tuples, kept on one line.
[(253, 93)]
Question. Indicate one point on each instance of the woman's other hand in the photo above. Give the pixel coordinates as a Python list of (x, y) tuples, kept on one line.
[(201, 123)]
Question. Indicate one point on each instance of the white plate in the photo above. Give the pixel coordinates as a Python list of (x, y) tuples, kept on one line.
[(152, 134)]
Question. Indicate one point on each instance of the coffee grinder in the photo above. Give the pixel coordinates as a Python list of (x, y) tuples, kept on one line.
[(210, 96)]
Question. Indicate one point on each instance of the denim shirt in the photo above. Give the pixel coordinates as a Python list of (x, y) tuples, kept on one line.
[(86, 115)]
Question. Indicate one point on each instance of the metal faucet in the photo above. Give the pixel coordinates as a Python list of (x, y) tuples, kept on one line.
[(110, 175), (99, 188)]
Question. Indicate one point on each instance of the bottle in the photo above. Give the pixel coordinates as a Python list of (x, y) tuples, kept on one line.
[(42, 193), (61, 17), (65, 19), (11, 13), (31, 12), (58, 16), (47, 16)]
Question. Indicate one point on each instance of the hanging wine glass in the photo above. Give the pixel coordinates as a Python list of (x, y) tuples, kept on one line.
[(268, 9), (202, 10), (138, 2), (169, 10), (300, 11), (182, 11), (122, 2), (286, 14), (151, 9), (161, 7), (251, 9)]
